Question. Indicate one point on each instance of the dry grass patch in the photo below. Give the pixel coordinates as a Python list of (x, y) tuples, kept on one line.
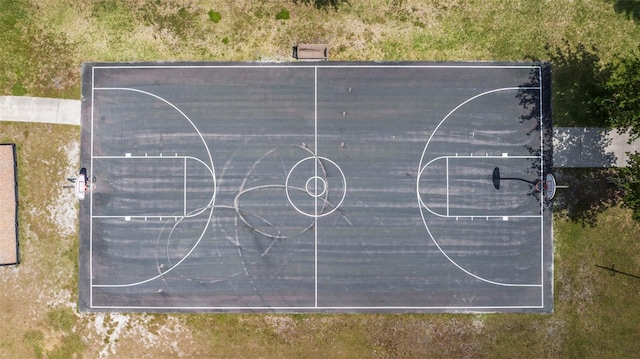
[(247, 30), (46, 278)]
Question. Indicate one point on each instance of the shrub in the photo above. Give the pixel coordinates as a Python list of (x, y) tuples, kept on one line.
[(283, 15), (215, 16), (18, 89)]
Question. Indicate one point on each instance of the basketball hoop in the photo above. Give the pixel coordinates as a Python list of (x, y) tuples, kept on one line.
[(548, 186), (82, 184)]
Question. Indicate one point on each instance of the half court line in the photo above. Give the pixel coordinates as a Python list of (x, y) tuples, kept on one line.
[(315, 198)]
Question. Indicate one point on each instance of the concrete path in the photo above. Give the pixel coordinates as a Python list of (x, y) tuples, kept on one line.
[(36, 109), (578, 147)]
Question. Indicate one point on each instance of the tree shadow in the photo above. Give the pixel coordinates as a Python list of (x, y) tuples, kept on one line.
[(323, 4), (579, 84), (631, 8), (590, 192), (540, 118), (582, 163), (581, 147)]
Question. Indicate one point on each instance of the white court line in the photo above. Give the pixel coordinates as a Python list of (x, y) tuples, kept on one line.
[(316, 159), (464, 309), (447, 175), (469, 272), (210, 167), (448, 215), (424, 151), (185, 187), (311, 308), (464, 103), (290, 65), (170, 104), (93, 76), (315, 153), (138, 157), (474, 216), (316, 306), (422, 204), (542, 149)]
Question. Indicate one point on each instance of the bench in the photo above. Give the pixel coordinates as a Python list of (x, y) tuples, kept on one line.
[(311, 52)]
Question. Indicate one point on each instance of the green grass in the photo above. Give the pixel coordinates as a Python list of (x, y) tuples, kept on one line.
[(42, 48), (33, 59), (592, 301), (61, 319), (34, 339), (13, 14), (215, 16), (283, 15), (18, 89), (71, 346)]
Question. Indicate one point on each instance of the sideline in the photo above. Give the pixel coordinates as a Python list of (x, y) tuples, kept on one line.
[(39, 109)]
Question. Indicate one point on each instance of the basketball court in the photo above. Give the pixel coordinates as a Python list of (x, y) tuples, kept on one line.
[(308, 187)]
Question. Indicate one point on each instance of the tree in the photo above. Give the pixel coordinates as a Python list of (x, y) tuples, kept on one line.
[(623, 104), (323, 4), (588, 92), (579, 85), (623, 108), (629, 7), (629, 182), (592, 191)]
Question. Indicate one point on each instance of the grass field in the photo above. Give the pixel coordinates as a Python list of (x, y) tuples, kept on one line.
[(42, 45)]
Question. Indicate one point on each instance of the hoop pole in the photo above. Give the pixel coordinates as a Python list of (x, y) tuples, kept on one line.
[(519, 179)]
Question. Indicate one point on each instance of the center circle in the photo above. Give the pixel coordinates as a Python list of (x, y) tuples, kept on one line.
[(315, 186), (307, 186)]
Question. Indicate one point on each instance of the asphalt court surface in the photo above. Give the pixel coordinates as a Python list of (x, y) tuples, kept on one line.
[(316, 187)]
